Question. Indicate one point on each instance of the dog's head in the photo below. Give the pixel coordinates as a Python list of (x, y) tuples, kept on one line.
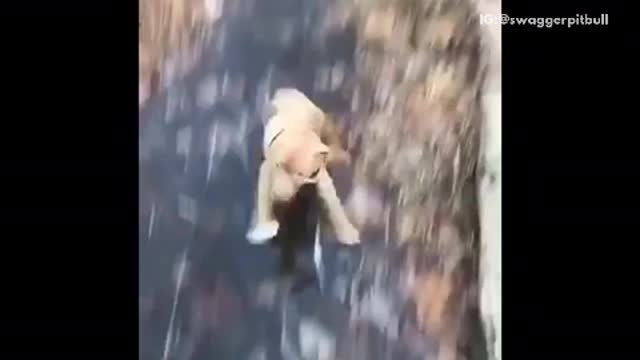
[(298, 150), (304, 157), (300, 166)]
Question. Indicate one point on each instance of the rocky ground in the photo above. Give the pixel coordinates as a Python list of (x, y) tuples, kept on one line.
[(406, 83)]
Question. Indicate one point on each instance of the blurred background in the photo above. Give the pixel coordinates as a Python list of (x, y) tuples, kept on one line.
[(404, 79)]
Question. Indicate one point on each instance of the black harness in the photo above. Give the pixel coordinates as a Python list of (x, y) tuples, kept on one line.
[(275, 137)]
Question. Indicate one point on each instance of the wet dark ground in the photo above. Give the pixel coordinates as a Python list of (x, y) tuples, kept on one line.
[(205, 292)]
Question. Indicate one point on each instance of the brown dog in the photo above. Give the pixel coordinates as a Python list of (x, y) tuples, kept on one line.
[(299, 143)]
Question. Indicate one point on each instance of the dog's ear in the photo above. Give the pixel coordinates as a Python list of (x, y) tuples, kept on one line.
[(319, 155), (321, 149)]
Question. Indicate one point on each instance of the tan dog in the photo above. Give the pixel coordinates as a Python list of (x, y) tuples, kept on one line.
[(300, 141)]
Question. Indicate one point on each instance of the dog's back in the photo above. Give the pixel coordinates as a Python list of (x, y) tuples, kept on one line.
[(293, 111)]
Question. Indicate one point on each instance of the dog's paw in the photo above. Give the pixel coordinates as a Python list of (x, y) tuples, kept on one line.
[(263, 232)]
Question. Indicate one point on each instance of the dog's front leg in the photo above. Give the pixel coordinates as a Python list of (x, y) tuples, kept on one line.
[(266, 226), (330, 135), (345, 231)]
